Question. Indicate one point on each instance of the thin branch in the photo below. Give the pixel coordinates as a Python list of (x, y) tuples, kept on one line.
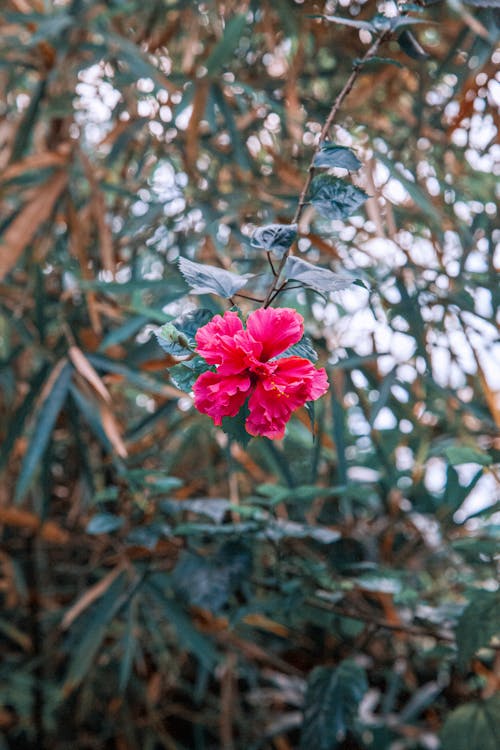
[(345, 91)]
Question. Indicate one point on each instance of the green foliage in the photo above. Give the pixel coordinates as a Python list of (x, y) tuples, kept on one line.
[(331, 704), (166, 583), (473, 725), (478, 624)]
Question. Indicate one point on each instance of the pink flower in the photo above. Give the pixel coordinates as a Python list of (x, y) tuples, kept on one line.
[(246, 369)]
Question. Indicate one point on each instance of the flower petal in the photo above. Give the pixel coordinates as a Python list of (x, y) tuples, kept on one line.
[(208, 336), (224, 343), (220, 396), (276, 329), (294, 381)]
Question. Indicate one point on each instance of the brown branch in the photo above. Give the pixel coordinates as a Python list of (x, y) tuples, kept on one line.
[(345, 91)]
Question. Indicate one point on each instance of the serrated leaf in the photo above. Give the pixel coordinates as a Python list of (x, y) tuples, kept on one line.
[(330, 155), (411, 47), (334, 198), (209, 582), (331, 705), (42, 430), (172, 341), (178, 336), (184, 375), (303, 348), (315, 277), (478, 624), (235, 428), (104, 523), (275, 238), (475, 725), (211, 280)]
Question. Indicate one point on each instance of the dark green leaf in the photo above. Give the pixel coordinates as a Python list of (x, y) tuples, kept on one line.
[(209, 583), (334, 198), (223, 51), (235, 428), (411, 46), (83, 654), (211, 280), (187, 634), (462, 454), (474, 725), (303, 348), (315, 277), (184, 375), (332, 700), (478, 624), (104, 523), (42, 430), (330, 155), (276, 238)]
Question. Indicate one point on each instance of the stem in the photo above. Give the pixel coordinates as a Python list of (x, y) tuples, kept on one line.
[(345, 91)]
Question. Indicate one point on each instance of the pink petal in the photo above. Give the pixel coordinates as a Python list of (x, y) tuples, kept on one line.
[(220, 396), (294, 381), (208, 337), (275, 328)]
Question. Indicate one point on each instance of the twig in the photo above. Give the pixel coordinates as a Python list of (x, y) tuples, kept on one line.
[(356, 69)]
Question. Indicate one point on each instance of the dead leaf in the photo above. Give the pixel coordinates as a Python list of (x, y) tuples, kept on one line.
[(23, 228), (89, 597), (112, 430), (85, 369)]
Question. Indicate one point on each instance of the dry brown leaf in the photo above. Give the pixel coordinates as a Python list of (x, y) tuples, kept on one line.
[(24, 519), (78, 241), (192, 136), (34, 161), (112, 430), (89, 597), (98, 207), (23, 228), (85, 369)]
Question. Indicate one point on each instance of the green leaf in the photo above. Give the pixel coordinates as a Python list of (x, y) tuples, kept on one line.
[(104, 523), (211, 280), (474, 725), (478, 624), (348, 22), (96, 626), (208, 582), (224, 50), (462, 454), (275, 238), (184, 375), (235, 428), (315, 277), (303, 348), (42, 430), (172, 341), (411, 47), (331, 706), (334, 198), (188, 636), (330, 155)]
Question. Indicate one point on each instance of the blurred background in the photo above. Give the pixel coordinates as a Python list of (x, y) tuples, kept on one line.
[(162, 585)]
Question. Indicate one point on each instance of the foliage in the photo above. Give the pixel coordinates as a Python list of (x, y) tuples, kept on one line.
[(164, 583)]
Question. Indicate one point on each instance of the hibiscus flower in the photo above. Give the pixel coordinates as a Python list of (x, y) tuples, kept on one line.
[(246, 368)]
